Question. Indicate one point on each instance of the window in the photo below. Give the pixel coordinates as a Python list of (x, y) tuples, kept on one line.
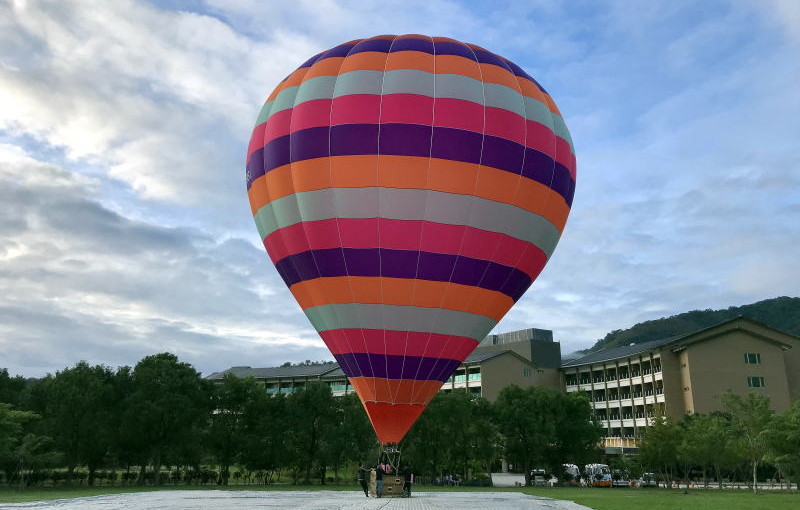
[(752, 358), (755, 382), (526, 372)]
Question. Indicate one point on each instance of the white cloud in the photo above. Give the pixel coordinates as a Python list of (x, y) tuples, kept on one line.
[(82, 282)]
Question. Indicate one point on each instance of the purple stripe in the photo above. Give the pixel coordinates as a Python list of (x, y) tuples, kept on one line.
[(388, 366), (422, 45), (381, 45), (412, 140), (441, 48), (421, 265)]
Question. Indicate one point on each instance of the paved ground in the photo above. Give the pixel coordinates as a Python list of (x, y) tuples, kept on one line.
[(302, 500)]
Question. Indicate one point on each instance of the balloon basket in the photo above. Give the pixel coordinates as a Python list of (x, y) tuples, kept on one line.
[(390, 454)]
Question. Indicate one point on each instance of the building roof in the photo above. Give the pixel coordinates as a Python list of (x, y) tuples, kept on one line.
[(633, 349), (332, 369), (479, 356), (273, 372), (619, 352)]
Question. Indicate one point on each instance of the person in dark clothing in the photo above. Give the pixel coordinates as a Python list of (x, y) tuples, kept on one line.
[(379, 481), (408, 481), (363, 474)]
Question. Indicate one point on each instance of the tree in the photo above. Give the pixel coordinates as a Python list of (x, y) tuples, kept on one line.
[(751, 418), (12, 430), (232, 402), (783, 442), (443, 439), (659, 446), (577, 432), (77, 408), (265, 448), (707, 441), (352, 437), (311, 414), (168, 405), (11, 388), (527, 420)]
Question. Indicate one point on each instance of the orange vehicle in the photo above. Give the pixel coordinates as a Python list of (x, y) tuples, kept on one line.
[(597, 475)]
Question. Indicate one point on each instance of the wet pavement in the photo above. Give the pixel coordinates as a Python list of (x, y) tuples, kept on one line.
[(301, 500)]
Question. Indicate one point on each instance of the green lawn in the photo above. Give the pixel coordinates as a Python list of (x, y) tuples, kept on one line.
[(598, 499), (661, 499)]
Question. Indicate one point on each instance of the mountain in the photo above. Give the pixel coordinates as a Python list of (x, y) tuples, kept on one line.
[(781, 313)]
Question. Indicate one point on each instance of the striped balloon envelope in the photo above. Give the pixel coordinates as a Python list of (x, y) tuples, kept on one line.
[(408, 189)]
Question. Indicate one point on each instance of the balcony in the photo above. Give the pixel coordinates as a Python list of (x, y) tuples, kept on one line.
[(620, 442)]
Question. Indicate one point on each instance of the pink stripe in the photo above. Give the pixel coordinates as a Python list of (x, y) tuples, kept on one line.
[(459, 114), (314, 113), (405, 235), (398, 343), (564, 156), (256, 139), (414, 109), (356, 109), (509, 125)]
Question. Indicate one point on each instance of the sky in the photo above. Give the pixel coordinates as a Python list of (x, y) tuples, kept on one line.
[(125, 228)]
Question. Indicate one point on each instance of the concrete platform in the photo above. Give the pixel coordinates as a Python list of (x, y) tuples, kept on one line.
[(302, 500)]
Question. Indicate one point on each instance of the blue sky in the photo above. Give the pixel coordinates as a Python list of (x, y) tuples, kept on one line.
[(124, 223)]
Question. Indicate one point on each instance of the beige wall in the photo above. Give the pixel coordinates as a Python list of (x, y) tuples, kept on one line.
[(673, 387), (549, 378), (791, 358), (717, 364), (504, 370)]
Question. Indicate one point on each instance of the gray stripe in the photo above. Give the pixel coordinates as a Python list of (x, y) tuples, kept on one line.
[(320, 87), (265, 112), (410, 81), (413, 81), (399, 318), (537, 111), (408, 204)]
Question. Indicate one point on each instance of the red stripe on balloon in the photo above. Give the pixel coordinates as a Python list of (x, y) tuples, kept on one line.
[(414, 109), (406, 235), (398, 343)]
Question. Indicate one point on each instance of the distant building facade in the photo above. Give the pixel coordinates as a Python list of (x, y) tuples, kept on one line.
[(686, 374), (499, 361), (627, 386)]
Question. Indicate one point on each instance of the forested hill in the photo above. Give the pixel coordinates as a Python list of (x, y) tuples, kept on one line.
[(781, 313)]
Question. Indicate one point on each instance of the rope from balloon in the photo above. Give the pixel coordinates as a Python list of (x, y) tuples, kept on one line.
[(390, 454)]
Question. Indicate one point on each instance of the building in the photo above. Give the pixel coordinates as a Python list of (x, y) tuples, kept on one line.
[(627, 386), (686, 374), (525, 358)]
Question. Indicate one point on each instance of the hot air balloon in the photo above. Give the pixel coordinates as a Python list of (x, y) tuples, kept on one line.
[(408, 189)]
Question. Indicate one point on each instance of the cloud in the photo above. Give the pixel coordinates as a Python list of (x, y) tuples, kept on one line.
[(124, 227), (83, 282)]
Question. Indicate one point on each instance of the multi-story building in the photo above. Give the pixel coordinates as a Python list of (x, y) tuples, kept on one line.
[(525, 358), (685, 374), (627, 386)]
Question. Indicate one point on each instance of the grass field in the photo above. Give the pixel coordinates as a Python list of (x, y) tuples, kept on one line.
[(598, 499)]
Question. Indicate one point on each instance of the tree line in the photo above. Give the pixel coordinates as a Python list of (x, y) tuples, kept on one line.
[(781, 313), (161, 422), (747, 440)]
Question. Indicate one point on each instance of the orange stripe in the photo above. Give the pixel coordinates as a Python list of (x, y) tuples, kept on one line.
[(325, 67), (293, 79), (411, 60), (364, 61), (408, 172), (403, 292), (495, 74), (400, 391), (444, 64), (453, 64)]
